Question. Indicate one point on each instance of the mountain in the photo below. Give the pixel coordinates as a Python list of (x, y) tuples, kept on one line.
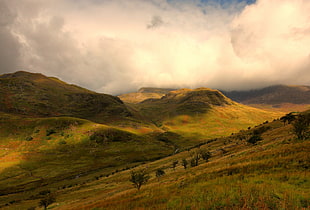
[(189, 101), (144, 94), (33, 94), (200, 113), (274, 95)]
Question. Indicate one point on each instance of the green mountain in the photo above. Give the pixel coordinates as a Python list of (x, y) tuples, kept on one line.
[(36, 95)]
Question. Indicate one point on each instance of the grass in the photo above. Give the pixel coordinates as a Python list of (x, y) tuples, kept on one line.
[(273, 174), (218, 122), (62, 154)]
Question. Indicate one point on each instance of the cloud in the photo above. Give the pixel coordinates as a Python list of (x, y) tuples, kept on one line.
[(155, 22), (107, 45)]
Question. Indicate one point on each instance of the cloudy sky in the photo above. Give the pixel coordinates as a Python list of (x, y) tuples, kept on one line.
[(117, 46)]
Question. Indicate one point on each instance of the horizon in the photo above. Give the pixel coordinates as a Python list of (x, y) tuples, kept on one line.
[(117, 47)]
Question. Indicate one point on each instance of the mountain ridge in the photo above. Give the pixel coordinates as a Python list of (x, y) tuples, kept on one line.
[(33, 94), (276, 94)]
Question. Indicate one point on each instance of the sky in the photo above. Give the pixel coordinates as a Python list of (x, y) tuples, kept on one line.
[(118, 46)]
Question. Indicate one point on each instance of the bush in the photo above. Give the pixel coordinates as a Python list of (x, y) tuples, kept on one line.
[(174, 164), (47, 200), (159, 172), (254, 139), (50, 132), (29, 138), (184, 163)]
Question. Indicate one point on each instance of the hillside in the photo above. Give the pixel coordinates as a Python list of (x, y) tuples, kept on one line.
[(144, 94), (60, 147), (275, 95), (37, 154), (200, 113), (272, 173), (36, 95)]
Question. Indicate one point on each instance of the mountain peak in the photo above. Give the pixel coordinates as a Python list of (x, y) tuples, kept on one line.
[(204, 95)]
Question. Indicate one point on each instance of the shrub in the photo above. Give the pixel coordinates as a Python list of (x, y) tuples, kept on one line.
[(174, 164), (184, 163), (29, 138), (159, 172), (50, 132), (47, 200), (254, 139)]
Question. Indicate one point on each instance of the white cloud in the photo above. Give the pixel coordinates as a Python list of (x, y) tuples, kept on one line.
[(119, 46)]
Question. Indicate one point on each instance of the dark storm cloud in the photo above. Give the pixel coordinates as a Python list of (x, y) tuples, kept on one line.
[(10, 46)]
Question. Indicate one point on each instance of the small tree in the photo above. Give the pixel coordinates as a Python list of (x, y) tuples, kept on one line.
[(184, 163), (174, 164), (138, 178), (205, 154), (159, 172), (288, 118), (301, 126), (195, 159), (47, 200)]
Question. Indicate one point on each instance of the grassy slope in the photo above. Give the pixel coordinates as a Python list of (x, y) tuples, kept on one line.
[(201, 114), (144, 94), (63, 151), (274, 174)]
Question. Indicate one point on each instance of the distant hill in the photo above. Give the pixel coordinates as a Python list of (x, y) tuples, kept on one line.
[(188, 101), (144, 94), (33, 94), (277, 94)]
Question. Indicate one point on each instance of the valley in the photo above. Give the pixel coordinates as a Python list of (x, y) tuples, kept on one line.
[(81, 146)]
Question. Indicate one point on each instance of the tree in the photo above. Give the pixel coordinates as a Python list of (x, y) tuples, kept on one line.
[(301, 126), (195, 159), (205, 154), (288, 118), (138, 178), (184, 163), (174, 164), (159, 172), (47, 200)]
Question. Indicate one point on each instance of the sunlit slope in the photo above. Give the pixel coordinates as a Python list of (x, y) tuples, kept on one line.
[(271, 174), (144, 94), (59, 151), (202, 113), (31, 94)]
